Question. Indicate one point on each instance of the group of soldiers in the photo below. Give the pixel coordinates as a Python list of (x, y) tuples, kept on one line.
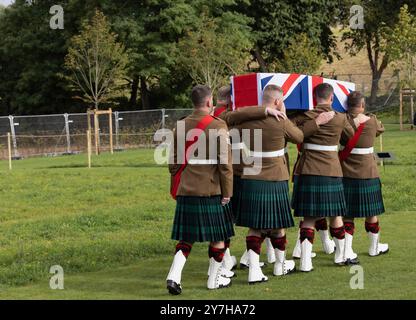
[(335, 177)]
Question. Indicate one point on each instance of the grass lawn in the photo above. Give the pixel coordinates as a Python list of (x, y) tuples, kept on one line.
[(109, 228)]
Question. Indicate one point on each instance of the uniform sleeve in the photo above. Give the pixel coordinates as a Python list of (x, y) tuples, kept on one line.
[(241, 115), (379, 126), (293, 133), (348, 131), (306, 124), (173, 163), (225, 166)]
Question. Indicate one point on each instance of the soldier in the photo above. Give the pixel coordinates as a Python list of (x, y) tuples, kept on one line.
[(319, 190), (362, 186), (202, 188), (264, 204), (234, 120)]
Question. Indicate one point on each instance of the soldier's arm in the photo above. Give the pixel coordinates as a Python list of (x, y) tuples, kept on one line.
[(225, 166), (241, 115), (292, 133), (307, 125), (379, 126), (173, 156), (348, 130)]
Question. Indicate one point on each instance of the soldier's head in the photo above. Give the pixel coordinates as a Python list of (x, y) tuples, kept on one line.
[(356, 102), (273, 97), (224, 96), (324, 93), (202, 97)]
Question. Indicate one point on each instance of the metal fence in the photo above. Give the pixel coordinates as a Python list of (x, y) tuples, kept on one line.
[(51, 135)]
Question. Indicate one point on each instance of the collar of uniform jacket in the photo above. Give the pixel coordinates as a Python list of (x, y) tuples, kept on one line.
[(199, 112), (324, 107)]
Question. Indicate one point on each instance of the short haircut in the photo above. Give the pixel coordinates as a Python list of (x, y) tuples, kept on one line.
[(224, 93), (199, 94), (354, 99), (324, 91), (271, 93)]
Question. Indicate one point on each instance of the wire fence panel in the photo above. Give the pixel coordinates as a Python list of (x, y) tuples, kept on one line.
[(52, 135)]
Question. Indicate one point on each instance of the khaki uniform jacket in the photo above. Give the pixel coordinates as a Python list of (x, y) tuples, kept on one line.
[(234, 119), (204, 180), (322, 163), (364, 166), (275, 134)]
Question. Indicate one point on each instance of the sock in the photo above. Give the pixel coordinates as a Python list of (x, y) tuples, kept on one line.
[(372, 227), (216, 253), (254, 243), (338, 233), (279, 243), (227, 243), (184, 247), (321, 225), (307, 233), (349, 227)]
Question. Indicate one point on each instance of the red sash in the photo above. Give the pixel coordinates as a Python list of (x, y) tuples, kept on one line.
[(176, 179), (344, 154), (219, 111)]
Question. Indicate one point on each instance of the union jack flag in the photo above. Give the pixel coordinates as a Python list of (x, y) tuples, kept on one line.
[(247, 90)]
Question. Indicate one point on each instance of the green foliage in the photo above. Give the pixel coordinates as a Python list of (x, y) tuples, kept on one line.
[(401, 48), (277, 23), (301, 56), (373, 38), (215, 48), (96, 61)]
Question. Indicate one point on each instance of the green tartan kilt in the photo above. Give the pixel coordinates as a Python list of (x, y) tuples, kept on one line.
[(264, 205), (235, 200), (363, 197), (318, 196), (202, 219)]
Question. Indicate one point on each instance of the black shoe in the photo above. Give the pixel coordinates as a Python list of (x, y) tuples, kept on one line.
[(173, 288), (350, 262), (245, 266), (256, 282)]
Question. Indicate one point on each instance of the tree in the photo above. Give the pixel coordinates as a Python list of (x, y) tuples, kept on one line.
[(215, 48), (401, 47), (373, 37), (301, 56), (277, 23), (96, 61)]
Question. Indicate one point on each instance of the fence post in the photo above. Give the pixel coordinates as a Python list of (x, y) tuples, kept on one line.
[(116, 118), (110, 127), (68, 137), (9, 148), (13, 132), (163, 118)]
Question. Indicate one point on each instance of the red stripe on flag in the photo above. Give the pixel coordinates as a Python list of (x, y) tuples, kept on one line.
[(289, 82), (245, 90), (346, 92), (316, 81)]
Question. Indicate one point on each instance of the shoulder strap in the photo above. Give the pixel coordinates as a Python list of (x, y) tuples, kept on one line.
[(344, 154), (202, 125), (219, 111)]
